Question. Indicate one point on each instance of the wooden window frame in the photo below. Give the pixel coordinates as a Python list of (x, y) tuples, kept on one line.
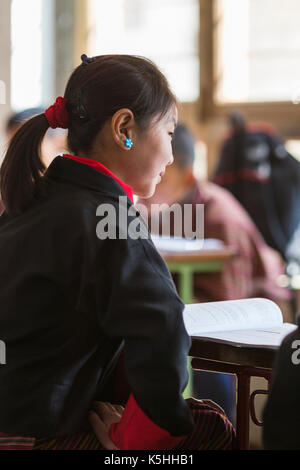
[(284, 115)]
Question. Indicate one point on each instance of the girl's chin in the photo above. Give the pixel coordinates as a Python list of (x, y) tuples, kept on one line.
[(146, 192)]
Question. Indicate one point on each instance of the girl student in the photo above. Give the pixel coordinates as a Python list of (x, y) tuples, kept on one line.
[(73, 302)]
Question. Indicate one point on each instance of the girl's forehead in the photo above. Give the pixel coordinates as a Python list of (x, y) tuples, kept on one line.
[(171, 117), (172, 114), (167, 120)]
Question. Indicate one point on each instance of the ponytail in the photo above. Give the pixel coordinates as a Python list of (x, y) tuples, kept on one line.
[(22, 168)]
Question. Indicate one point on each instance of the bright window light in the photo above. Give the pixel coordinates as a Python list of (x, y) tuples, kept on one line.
[(258, 49), (26, 60), (165, 31), (293, 146)]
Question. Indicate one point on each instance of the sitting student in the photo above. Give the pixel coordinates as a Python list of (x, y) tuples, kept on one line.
[(264, 177), (73, 297), (254, 271)]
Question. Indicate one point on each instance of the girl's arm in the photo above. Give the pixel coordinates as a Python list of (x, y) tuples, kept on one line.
[(144, 310)]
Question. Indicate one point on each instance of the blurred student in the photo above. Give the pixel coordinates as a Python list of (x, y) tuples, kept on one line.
[(255, 270), (75, 296), (257, 169), (252, 273), (54, 141)]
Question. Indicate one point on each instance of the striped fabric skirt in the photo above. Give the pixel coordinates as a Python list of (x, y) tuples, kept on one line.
[(212, 431)]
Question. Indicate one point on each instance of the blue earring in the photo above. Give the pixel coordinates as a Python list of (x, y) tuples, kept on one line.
[(128, 143)]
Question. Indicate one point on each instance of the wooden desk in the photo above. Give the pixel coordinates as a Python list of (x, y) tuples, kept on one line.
[(244, 362)]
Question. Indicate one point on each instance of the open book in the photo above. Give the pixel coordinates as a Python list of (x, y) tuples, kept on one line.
[(245, 322)]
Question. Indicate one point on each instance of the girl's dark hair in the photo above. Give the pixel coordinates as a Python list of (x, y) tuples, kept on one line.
[(94, 92)]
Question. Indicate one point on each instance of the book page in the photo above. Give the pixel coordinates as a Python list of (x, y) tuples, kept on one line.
[(264, 338), (230, 315)]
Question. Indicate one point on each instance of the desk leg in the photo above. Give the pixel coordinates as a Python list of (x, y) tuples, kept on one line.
[(185, 290), (242, 411), (186, 284), (188, 391)]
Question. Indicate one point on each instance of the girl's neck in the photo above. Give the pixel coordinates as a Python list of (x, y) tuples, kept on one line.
[(107, 161)]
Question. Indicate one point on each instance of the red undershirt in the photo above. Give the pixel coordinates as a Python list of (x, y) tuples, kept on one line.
[(93, 163), (135, 431)]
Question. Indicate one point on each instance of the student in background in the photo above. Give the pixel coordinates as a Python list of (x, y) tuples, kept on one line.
[(253, 273), (257, 169), (75, 296), (54, 141)]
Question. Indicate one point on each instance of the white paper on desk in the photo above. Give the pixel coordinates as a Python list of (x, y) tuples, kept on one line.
[(269, 337), (178, 245), (246, 321)]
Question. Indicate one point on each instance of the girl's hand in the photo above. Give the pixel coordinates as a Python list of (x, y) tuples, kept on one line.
[(101, 418)]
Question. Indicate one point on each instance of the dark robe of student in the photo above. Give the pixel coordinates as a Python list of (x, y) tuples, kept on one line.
[(78, 288), (257, 169), (281, 416)]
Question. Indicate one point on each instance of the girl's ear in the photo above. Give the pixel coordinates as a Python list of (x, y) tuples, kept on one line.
[(122, 126)]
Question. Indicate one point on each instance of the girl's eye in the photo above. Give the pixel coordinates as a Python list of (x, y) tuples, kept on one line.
[(171, 134)]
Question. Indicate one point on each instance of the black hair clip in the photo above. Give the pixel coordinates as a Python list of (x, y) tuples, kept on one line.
[(80, 109), (87, 60)]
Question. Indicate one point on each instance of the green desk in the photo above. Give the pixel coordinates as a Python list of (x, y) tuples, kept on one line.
[(186, 264)]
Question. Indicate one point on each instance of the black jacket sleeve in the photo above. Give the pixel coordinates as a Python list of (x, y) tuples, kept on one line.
[(144, 310)]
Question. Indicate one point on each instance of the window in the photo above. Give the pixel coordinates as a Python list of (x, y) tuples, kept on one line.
[(258, 49), (32, 58), (165, 31), (26, 54), (293, 146), (2, 92)]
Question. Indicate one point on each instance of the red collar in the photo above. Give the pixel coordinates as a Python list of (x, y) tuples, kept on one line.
[(93, 163)]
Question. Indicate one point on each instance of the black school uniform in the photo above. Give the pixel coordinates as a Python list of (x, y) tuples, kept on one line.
[(70, 302), (281, 414)]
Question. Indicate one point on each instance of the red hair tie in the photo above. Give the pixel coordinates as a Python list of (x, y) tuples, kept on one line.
[(57, 114)]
